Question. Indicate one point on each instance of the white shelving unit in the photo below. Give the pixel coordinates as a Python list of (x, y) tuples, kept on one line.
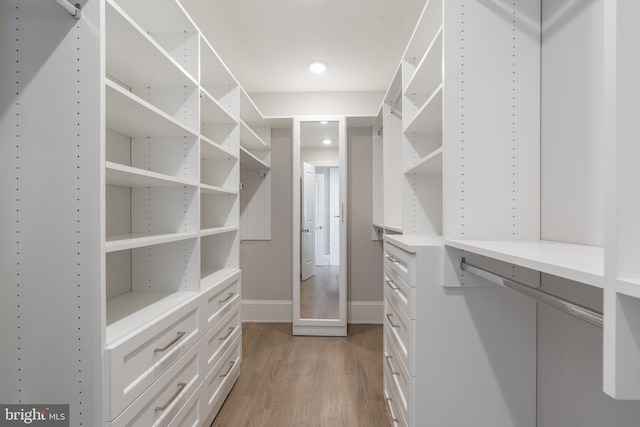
[(255, 160), (135, 217)]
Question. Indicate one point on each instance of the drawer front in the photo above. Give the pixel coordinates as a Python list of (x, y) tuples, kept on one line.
[(220, 299), (220, 338), (403, 383), (135, 363), (401, 329), (391, 401), (401, 262), (161, 402), (404, 295), (218, 382), (192, 413)]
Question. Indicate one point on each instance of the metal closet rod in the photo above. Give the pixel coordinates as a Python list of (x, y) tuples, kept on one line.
[(582, 313), (73, 9)]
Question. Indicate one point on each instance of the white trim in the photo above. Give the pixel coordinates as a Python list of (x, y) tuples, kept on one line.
[(325, 163), (365, 312), (280, 311), (267, 311)]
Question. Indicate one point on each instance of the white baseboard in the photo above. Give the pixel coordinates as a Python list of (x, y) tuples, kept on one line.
[(280, 311)]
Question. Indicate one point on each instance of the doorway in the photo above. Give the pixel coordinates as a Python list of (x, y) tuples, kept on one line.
[(319, 194)]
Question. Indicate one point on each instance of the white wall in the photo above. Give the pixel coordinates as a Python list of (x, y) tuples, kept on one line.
[(266, 265)]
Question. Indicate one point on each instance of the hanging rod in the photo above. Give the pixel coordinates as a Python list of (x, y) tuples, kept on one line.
[(73, 9), (558, 303), (249, 168)]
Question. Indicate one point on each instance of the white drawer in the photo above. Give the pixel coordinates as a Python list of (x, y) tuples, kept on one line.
[(402, 382), (219, 381), (401, 262), (161, 402), (220, 338), (402, 331), (134, 363), (192, 413), (391, 401), (220, 299), (403, 294)]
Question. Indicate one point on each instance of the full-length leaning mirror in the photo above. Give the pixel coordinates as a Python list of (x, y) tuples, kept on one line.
[(319, 226)]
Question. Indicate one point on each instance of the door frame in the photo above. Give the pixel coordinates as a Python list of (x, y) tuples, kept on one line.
[(321, 327)]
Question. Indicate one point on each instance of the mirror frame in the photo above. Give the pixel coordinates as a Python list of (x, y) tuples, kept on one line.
[(319, 327)]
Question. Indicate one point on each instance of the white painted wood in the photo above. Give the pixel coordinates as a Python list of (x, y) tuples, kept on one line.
[(308, 222), (336, 218), (192, 413), (221, 378)]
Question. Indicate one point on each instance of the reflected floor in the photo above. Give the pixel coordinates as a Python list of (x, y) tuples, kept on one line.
[(319, 294)]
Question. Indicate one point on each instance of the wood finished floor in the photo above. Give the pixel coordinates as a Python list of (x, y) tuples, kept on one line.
[(319, 294), (307, 381)]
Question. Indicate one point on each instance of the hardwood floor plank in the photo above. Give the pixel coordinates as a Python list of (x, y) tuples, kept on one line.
[(299, 381)]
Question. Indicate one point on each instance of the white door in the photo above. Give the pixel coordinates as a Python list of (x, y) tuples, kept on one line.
[(322, 254), (308, 221), (336, 215)]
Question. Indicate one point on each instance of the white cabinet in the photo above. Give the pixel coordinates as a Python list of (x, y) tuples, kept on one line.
[(126, 198)]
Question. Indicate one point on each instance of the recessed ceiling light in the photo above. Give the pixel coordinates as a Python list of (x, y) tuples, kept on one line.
[(326, 141), (324, 122), (317, 66)]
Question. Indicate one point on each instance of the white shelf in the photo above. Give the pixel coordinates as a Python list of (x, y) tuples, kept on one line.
[(428, 24), (579, 263), (168, 15), (428, 74), (249, 112), (129, 115), (213, 72), (250, 140), (134, 58), (212, 189), (429, 116), (429, 164), (212, 150), (249, 160), (121, 242), (128, 312), (211, 277), (212, 111), (416, 243), (127, 176), (217, 230)]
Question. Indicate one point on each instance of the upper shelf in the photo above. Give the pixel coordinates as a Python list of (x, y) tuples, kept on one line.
[(429, 164), (249, 160), (429, 116), (250, 140), (213, 72), (212, 111), (579, 263), (428, 24), (168, 15), (135, 59), (127, 176), (428, 73), (249, 112)]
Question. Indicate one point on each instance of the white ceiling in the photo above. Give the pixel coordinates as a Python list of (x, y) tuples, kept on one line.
[(267, 43)]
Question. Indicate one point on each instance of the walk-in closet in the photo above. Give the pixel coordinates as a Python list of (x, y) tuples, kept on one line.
[(308, 212)]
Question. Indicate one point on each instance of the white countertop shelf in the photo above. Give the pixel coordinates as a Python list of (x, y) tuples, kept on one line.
[(128, 312), (429, 164), (127, 176), (121, 242), (212, 276), (129, 115), (580, 263), (416, 242)]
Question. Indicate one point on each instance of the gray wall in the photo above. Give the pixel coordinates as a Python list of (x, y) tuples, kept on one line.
[(266, 265)]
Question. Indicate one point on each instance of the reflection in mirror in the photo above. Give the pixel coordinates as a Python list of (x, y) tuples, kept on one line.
[(320, 220)]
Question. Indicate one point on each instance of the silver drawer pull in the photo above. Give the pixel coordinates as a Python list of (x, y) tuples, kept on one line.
[(393, 259), (231, 294), (173, 341), (389, 316), (228, 370), (391, 284), (228, 334), (390, 366), (388, 402), (181, 387)]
